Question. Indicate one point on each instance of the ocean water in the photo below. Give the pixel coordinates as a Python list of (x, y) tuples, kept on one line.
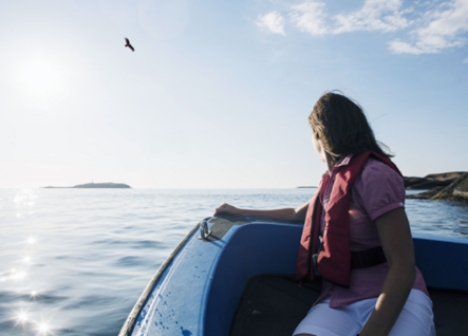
[(74, 261)]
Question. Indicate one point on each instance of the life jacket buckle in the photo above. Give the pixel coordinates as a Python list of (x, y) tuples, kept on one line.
[(314, 263), (315, 256)]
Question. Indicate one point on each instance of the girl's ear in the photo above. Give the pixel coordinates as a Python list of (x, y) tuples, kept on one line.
[(329, 160), (319, 149)]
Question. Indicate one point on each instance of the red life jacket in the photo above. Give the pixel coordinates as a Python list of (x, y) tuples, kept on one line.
[(334, 258)]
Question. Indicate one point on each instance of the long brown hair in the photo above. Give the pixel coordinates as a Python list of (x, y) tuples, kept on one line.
[(342, 127)]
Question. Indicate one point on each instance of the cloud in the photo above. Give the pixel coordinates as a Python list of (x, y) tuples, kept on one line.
[(443, 28), (309, 17), (465, 61), (430, 29), (375, 15), (272, 22)]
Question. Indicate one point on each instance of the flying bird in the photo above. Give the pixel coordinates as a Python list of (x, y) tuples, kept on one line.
[(129, 45)]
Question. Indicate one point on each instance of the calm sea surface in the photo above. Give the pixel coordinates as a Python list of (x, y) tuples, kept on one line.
[(74, 261)]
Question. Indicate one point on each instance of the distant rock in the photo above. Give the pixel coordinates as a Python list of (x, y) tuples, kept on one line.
[(457, 190), (98, 185), (102, 185)]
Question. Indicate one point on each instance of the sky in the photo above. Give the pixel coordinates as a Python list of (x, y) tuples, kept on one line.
[(217, 93)]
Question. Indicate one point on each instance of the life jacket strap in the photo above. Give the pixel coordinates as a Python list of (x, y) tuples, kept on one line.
[(368, 258)]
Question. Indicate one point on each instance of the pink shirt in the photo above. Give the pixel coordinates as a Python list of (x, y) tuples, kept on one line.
[(377, 190)]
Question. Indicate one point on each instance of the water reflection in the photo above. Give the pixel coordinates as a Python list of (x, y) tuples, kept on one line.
[(18, 275), (21, 253), (43, 328), (24, 321), (25, 197), (21, 317)]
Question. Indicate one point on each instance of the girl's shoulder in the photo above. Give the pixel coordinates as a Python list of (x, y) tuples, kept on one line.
[(378, 189), (375, 170)]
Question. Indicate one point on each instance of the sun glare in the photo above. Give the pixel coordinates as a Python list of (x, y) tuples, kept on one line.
[(41, 78)]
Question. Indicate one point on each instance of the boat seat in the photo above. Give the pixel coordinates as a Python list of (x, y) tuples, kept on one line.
[(274, 306)]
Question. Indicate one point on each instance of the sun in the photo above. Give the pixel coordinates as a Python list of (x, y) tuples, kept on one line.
[(41, 78)]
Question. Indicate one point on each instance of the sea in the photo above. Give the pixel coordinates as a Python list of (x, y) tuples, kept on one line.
[(74, 261)]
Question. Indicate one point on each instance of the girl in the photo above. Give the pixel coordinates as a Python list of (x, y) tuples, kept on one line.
[(356, 234)]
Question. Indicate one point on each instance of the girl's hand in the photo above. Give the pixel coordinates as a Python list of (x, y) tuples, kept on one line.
[(226, 209)]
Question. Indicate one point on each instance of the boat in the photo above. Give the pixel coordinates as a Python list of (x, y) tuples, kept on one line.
[(235, 276)]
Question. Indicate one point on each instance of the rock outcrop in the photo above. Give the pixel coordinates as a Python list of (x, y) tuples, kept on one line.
[(457, 190), (431, 181)]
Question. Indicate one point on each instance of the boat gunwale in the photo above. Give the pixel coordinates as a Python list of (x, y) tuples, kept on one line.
[(129, 324)]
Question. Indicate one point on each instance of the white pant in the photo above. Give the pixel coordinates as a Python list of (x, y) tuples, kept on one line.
[(416, 318)]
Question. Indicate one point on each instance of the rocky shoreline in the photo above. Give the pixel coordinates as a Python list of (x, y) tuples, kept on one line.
[(452, 186)]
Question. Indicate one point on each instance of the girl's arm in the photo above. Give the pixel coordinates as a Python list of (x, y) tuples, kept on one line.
[(296, 214), (397, 243)]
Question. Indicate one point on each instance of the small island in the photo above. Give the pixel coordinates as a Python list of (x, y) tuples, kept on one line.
[(96, 186)]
